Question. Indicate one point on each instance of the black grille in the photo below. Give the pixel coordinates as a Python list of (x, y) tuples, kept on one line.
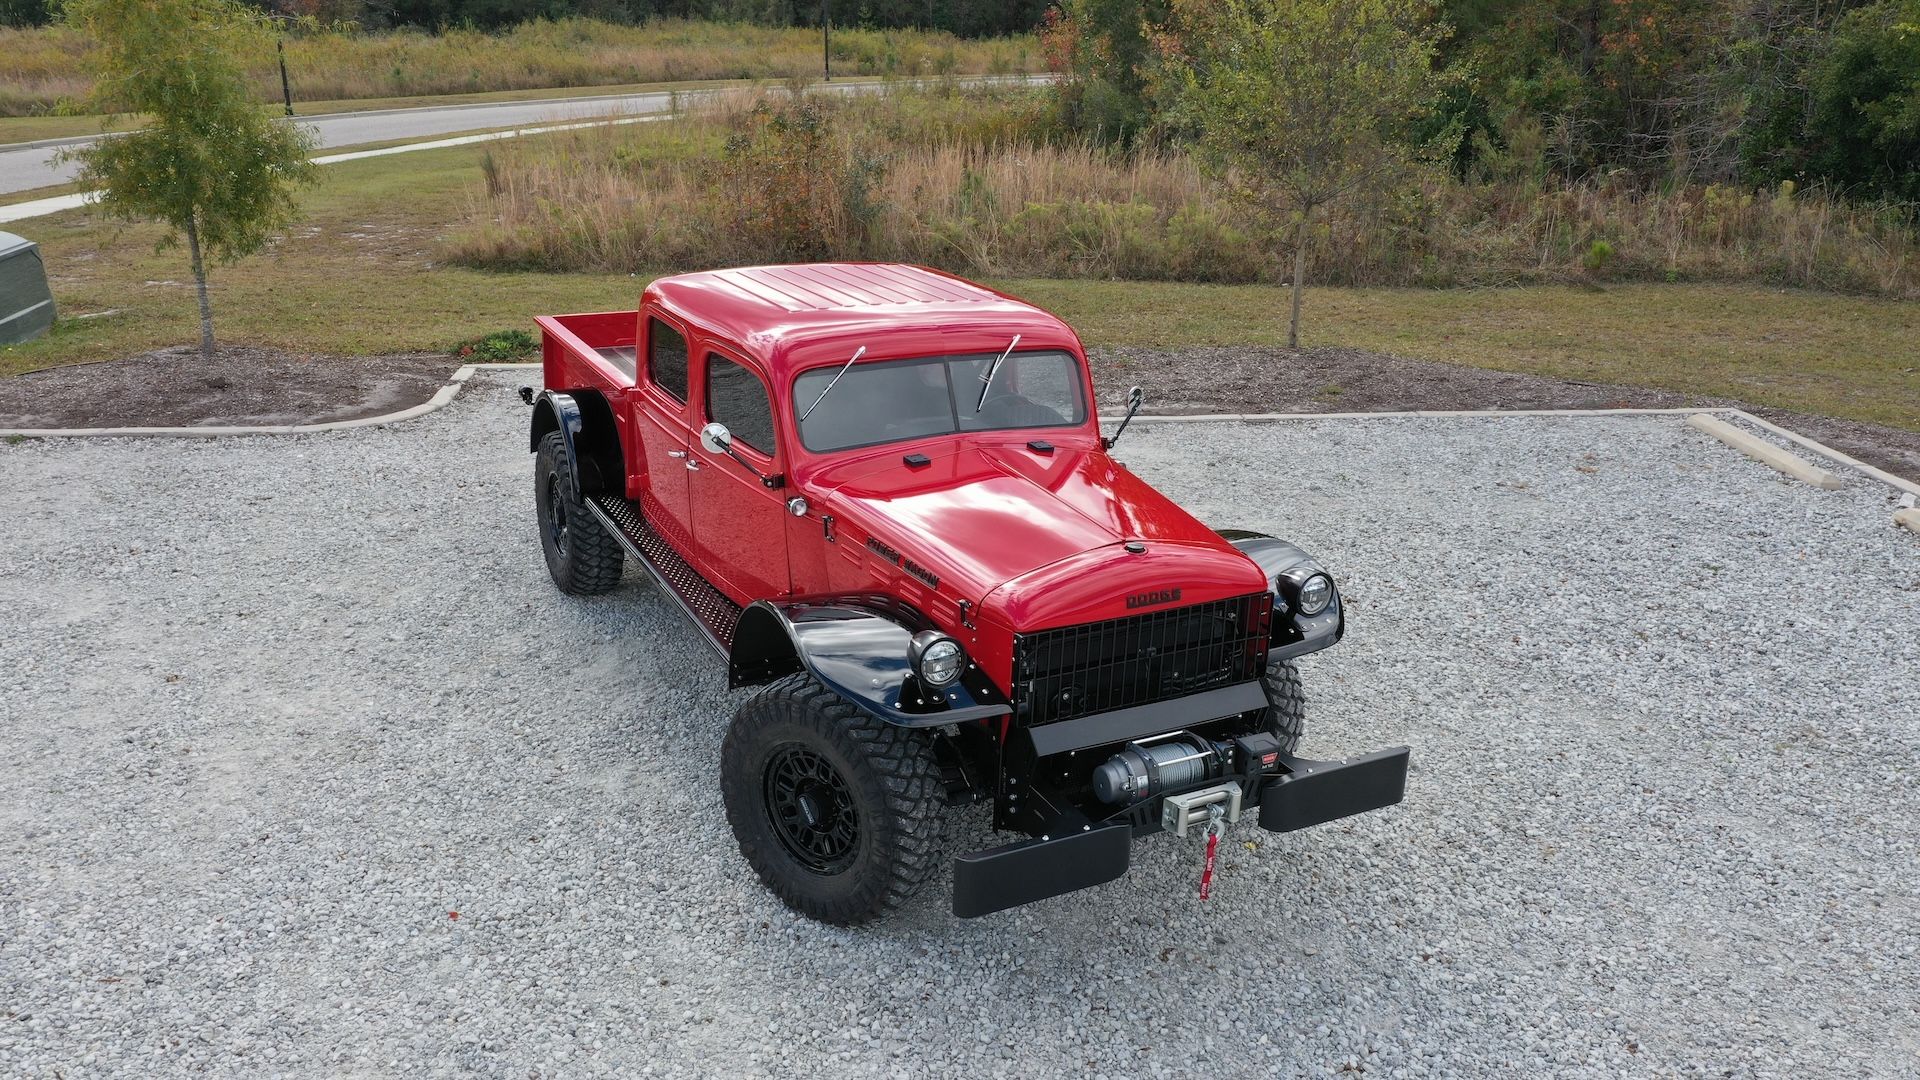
[(1140, 659)]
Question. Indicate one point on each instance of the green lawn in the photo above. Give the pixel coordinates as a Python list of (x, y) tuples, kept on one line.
[(357, 276)]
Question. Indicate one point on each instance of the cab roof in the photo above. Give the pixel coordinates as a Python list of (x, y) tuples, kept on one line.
[(894, 309)]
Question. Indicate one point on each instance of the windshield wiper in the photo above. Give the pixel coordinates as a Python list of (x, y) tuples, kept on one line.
[(858, 353), (986, 381)]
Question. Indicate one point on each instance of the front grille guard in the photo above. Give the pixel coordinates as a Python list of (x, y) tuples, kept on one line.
[(1077, 671)]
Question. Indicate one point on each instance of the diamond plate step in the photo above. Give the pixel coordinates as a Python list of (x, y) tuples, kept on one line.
[(708, 607)]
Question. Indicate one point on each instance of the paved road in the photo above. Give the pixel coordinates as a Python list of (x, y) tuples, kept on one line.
[(31, 166)]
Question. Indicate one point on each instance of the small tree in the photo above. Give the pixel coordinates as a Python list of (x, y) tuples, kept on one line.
[(1299, 104), (212, 163)]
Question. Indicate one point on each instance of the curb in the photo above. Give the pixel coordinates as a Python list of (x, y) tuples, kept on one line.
[(446, 394), (43, 144), (440, 399), (1765, 452), (1813, 445)]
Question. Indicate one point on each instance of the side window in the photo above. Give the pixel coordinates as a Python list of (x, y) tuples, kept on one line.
[(667, 358), (737, 398)]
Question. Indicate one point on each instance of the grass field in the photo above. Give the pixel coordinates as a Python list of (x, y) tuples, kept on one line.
[(361, 275), (44, 69)]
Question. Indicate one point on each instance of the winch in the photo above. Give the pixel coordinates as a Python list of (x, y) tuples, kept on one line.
[(1148, 767), (1177, 760)]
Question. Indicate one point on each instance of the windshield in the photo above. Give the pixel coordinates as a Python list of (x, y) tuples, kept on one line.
[(891, 400)]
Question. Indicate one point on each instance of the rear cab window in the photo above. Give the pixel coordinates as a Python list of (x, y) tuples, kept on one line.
[(667, 358), (737, 398)]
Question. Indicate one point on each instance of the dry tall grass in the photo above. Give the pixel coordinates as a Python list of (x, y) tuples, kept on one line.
[(40, 68), (958, 189)]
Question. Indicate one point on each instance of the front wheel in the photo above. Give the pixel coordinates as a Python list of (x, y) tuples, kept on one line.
[(1286, 704), (836, 811), (581, 556)]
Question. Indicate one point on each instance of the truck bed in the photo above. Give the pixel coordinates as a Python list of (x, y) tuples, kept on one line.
[(595, 349)]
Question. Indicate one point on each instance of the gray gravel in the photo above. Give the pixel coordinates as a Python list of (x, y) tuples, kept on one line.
[(276, 708)]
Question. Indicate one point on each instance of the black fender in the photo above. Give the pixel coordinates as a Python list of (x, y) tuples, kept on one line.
[(1287, 565), (585, 424), (857, 648)]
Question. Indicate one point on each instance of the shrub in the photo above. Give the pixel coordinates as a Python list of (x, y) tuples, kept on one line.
[(798, 190), (499, 347), (645, 198)]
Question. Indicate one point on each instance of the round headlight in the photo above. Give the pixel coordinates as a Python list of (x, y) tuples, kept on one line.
[(937, 658), (1315, 594)]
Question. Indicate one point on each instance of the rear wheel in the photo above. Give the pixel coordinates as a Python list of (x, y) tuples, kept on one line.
[(837, 812), (582, 557), (1286, 704)]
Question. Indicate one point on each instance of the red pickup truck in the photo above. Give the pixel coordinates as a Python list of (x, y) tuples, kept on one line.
[(881, 494)]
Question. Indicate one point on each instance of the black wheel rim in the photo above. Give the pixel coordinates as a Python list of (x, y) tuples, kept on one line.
[(811, 810), (556, 514)]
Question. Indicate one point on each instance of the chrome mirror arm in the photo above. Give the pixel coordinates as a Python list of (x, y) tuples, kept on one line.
[(718, 440)]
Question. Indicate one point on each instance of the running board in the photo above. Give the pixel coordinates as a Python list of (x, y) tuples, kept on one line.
[(707, 606)]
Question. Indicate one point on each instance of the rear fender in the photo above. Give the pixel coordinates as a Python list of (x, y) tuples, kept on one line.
[(857, 648), (1284, 564), (585, 424)]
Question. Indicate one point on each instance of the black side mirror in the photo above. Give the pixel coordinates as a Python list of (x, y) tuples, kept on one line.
[(1134, 397)]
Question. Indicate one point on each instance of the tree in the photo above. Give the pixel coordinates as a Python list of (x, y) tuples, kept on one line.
[(1865, 115), (1103, 50), (212, 164), (1296, 105)]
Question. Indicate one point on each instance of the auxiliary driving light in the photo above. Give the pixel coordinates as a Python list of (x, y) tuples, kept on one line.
[(936, 658)]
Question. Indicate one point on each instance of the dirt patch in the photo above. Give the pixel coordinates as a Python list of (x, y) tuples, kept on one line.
[(250, 386), (243, 386), (1242, 379)]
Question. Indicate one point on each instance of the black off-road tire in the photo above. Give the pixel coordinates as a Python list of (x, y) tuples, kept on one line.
[(582, 557), (889, 780), (1286, 704)]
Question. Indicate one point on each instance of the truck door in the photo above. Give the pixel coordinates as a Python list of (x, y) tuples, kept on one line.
[(661, 416), (739, 522)]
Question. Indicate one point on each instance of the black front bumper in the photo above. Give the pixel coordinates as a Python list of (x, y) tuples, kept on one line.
[(1308, 793)]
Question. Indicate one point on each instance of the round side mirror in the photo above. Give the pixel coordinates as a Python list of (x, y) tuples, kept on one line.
[(716, 438), (1135, 396)]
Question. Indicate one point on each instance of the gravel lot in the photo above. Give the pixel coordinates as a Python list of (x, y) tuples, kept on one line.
[(275, 709)]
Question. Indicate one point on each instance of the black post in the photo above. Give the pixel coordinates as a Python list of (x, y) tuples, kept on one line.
[(286, 88), (826, 41)]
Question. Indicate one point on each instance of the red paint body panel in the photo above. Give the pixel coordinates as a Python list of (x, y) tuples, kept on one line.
[(1031, 540)]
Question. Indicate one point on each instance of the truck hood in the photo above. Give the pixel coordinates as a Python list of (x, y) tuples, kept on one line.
[(993, 518)]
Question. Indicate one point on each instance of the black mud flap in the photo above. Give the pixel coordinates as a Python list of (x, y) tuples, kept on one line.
[(1020, 873), (1316, 792)]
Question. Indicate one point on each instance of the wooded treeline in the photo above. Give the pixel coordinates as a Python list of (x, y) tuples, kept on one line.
[(1691, 91)]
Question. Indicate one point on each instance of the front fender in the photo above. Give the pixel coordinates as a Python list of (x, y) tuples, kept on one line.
[(1294, 634), (856, 647)]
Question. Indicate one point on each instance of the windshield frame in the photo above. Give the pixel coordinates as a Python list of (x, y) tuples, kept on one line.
[(1083, 395)]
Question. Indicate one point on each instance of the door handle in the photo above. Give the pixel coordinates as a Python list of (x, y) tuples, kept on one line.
[(693, 465), (676, 453)]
